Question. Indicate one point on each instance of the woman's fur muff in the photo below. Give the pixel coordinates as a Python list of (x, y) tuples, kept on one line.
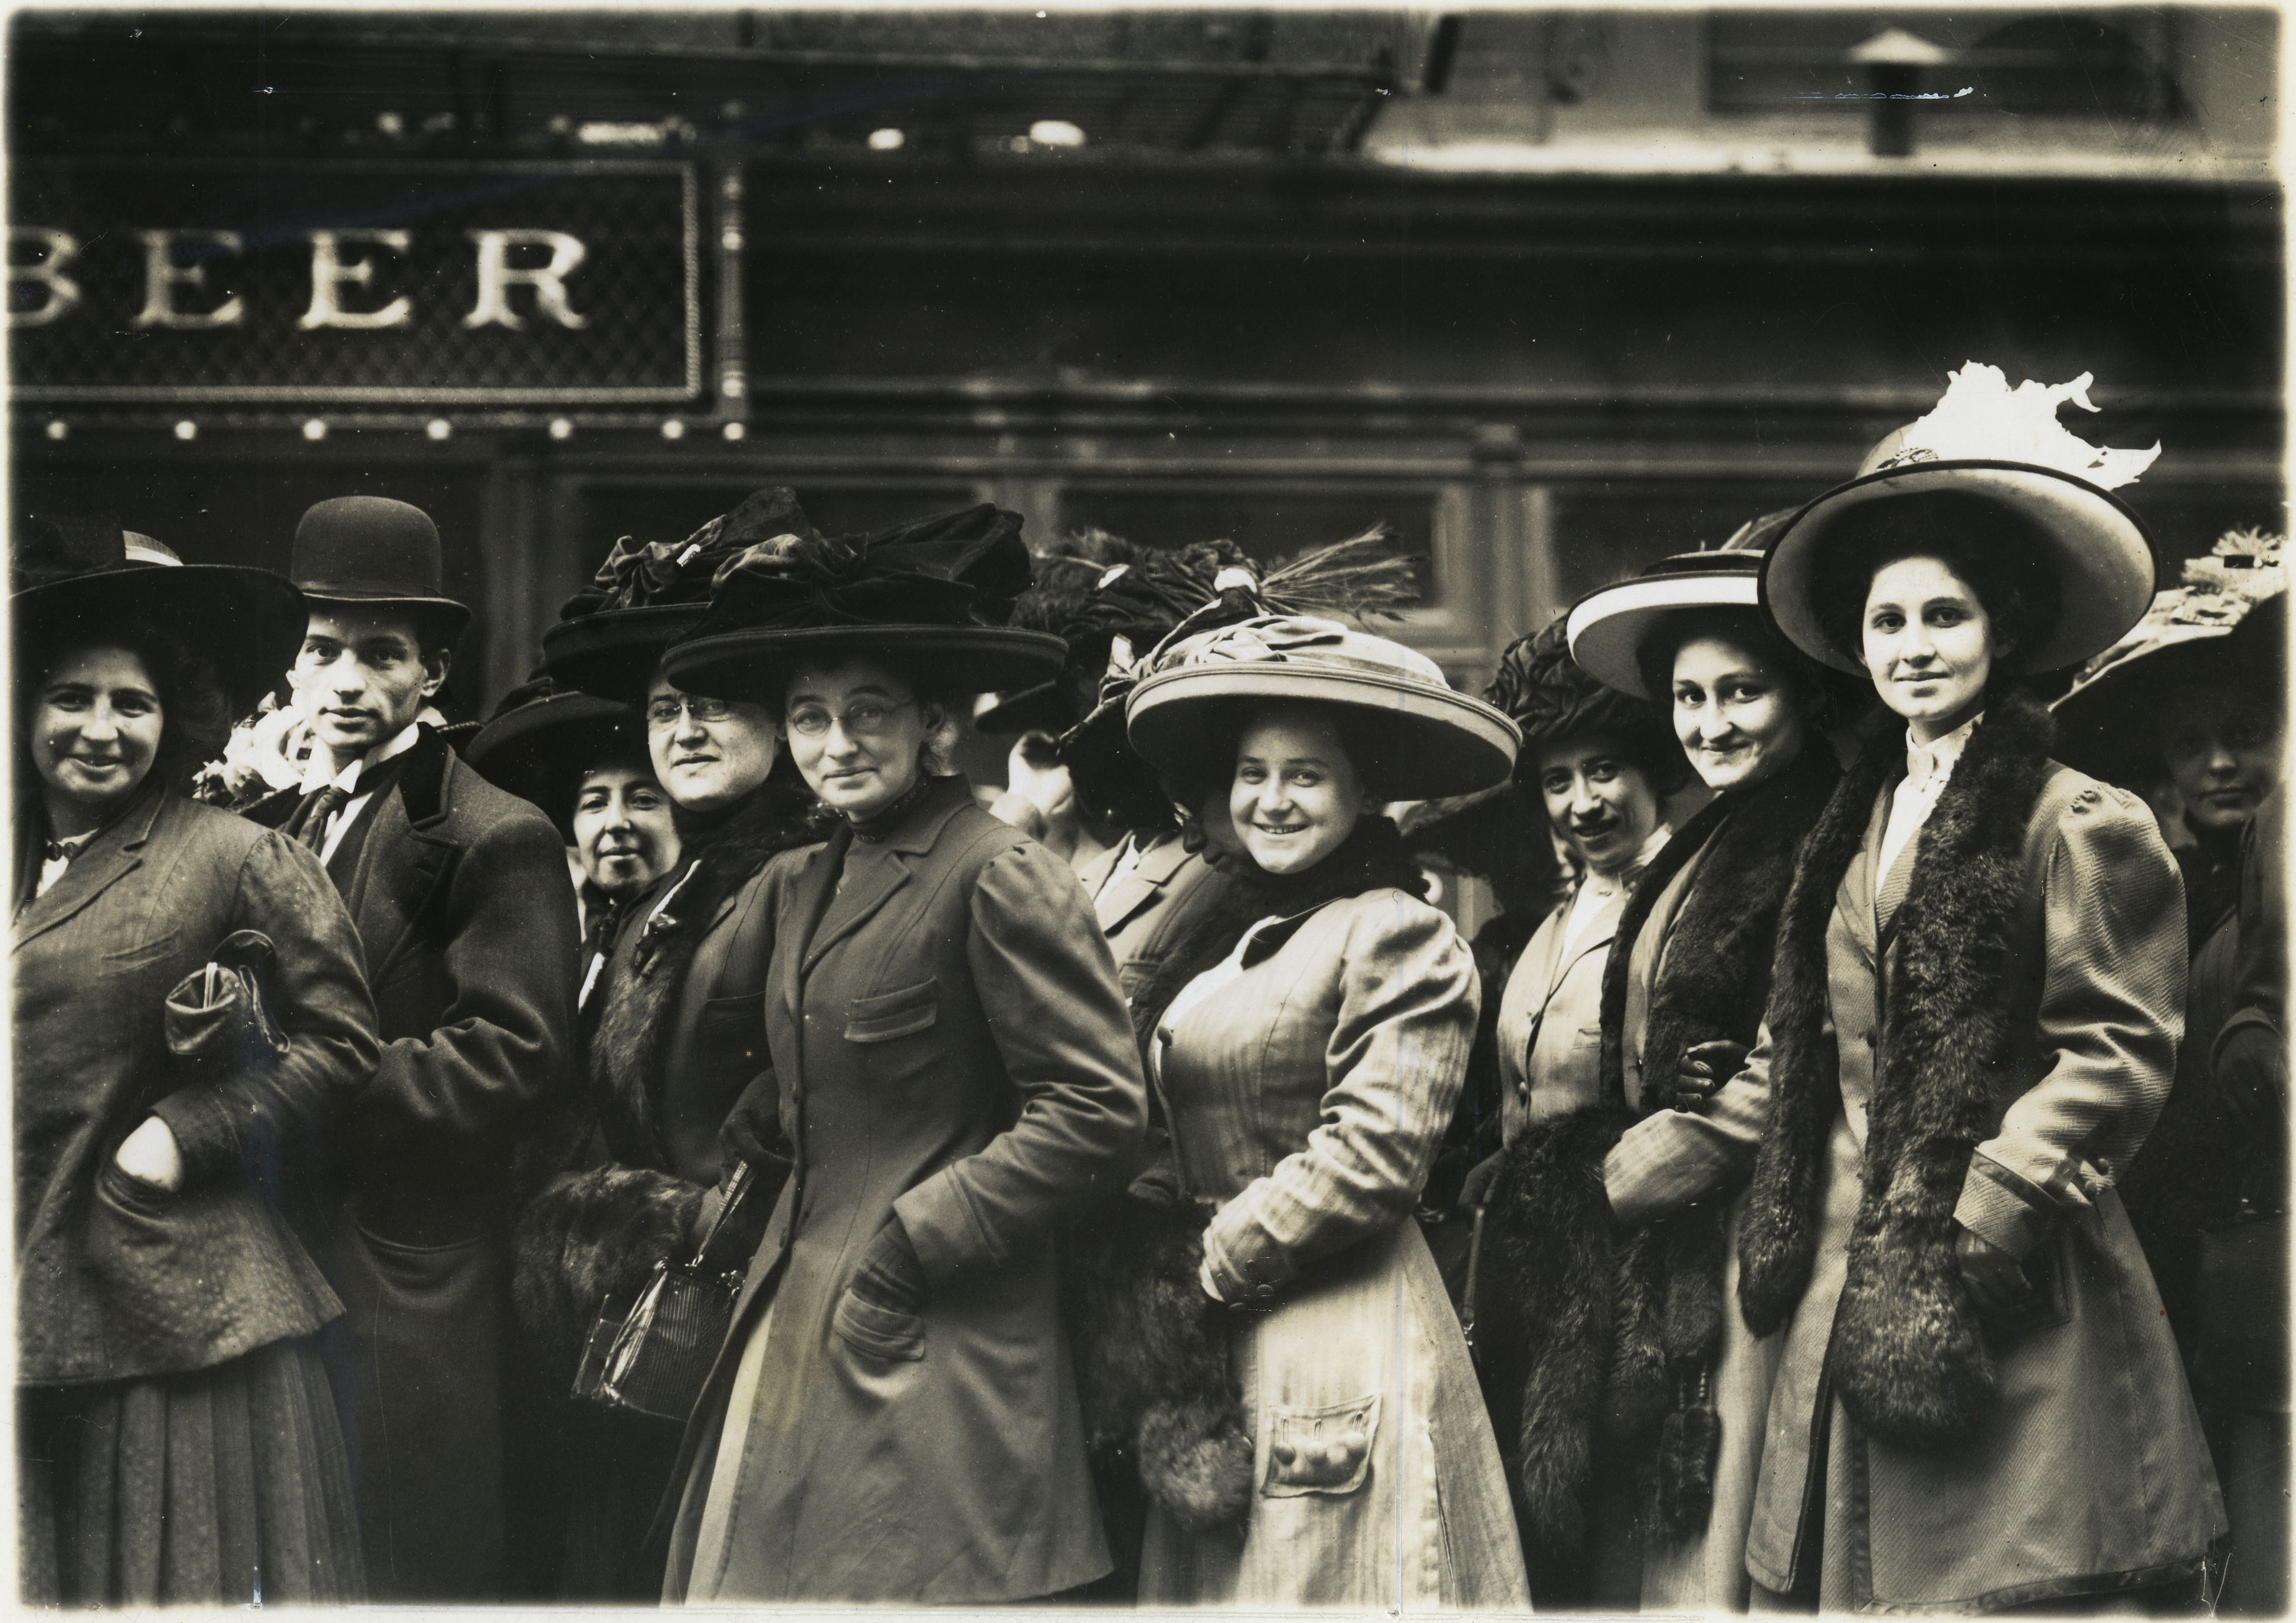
[(1910, 1356), (1152, 1353), (1656, 1290)]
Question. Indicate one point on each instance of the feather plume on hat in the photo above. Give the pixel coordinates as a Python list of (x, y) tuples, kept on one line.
[(1552, 697)]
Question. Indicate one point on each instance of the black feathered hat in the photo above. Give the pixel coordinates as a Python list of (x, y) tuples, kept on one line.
[(1552, 697), (543, 738), (934, 594), (609, 635)]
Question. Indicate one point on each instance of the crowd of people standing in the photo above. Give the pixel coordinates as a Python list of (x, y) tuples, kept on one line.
[(679, 1141)]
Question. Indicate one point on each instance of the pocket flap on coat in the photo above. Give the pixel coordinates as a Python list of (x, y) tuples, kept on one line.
[(891, 1014), (1319, 1449)]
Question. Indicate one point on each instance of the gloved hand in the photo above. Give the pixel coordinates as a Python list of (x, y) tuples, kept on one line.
[(1996, 1281), (890, 1275), (1705, 1067), (1481, 1182)]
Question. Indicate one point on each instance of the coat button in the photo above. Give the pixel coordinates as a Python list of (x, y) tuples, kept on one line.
[(1265, 1291)]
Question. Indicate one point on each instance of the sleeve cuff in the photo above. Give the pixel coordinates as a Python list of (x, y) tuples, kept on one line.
[(205, 1135), (1998, 1206), (1253, 1276), (939, 1222)]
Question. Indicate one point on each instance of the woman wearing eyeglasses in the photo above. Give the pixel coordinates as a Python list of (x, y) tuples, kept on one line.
[(894, 1416), (617, 1184)]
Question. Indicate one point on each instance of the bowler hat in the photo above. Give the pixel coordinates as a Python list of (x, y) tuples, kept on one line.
[(73, 579), (370, 551)]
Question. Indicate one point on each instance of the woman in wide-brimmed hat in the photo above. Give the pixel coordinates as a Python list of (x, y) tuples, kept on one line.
[(1638, 1399), (2166, 712), (894, 1418), (671, 1010), (1307, 1080), (1978, 986), (176, 1434)]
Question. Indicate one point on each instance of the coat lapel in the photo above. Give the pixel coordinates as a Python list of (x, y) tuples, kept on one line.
[(1121, 902), (815, 889), (109, 858), (404, 859)]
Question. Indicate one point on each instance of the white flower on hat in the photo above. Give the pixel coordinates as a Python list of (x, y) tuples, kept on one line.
[(2241, 570), (1981, 418)]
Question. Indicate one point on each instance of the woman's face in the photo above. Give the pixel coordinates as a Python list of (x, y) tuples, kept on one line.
[(708, 753), (858, 732), (1598, 799), (2222, 749), (1929, 644), (1296, 795), (1738, 719), (95, 732), (623, 831)]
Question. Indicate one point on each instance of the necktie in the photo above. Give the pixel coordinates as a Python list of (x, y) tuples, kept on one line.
[(318, 807)]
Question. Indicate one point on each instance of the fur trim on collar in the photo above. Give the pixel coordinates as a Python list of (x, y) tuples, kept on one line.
[(643, 984), (1910, 1359)]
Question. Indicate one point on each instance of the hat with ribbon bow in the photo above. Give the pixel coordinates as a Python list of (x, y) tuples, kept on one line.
[(609, 635), (72, 580), (933, 595), (1424, 739), (2004, 449)]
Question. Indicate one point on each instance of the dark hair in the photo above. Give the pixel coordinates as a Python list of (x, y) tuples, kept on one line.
[(1994, 549), (1744, 629), (1375, 748), (938, 756), (195, 716)]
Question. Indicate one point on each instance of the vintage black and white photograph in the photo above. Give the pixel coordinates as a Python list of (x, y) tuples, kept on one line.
[(1173, 804)]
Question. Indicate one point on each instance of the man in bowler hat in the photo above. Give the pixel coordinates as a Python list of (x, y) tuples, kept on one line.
[(468, 925)]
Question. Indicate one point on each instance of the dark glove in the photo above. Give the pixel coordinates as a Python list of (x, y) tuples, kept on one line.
[(890, 1275), (2252, 1078), (1705, 1067), (1481, 1182), (1997, 1281)]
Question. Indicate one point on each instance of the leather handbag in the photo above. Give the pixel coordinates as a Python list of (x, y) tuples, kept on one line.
[(654, 1359)]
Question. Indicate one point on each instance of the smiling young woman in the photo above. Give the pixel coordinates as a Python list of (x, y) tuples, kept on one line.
[(1979, 983), (1309, 1077), (176, 1437)]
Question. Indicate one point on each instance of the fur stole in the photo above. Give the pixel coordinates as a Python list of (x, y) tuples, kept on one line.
[(599, 1206), (1151, 1351), (643, 984), (1910, 1359), (1659, 1287)]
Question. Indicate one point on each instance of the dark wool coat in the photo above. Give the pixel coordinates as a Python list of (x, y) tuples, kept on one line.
[(114, 1278), (947, 1047), (1987, 1052), (614, 1185), (1595, 1328), (467, 920)]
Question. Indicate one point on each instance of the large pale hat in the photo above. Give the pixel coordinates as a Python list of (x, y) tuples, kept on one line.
[(2005, 448), (933, 595), (2105, 721), (1607, 627), (73, 579), (1427, 739)]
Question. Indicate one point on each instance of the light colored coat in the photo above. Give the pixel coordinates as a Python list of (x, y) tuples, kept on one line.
[(2088, 1472), (1309, 1080)]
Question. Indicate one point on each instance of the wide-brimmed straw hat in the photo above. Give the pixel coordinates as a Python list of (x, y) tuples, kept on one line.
[(611, 634), (933, 597), (73, 579), (2005, 448), (542, 740), (369, 552), (2106, 721), (1607, 627), (1427, 739)]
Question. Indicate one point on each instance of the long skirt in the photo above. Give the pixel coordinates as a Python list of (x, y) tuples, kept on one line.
[(224, 1486), (1378, 1480)]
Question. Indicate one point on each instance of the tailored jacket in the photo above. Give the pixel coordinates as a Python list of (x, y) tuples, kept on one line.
[(460, 894), (1984, 1045), (1309, 1079), (116, 1278), (947, 1047), (1145, 910), (1550, 1024)]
